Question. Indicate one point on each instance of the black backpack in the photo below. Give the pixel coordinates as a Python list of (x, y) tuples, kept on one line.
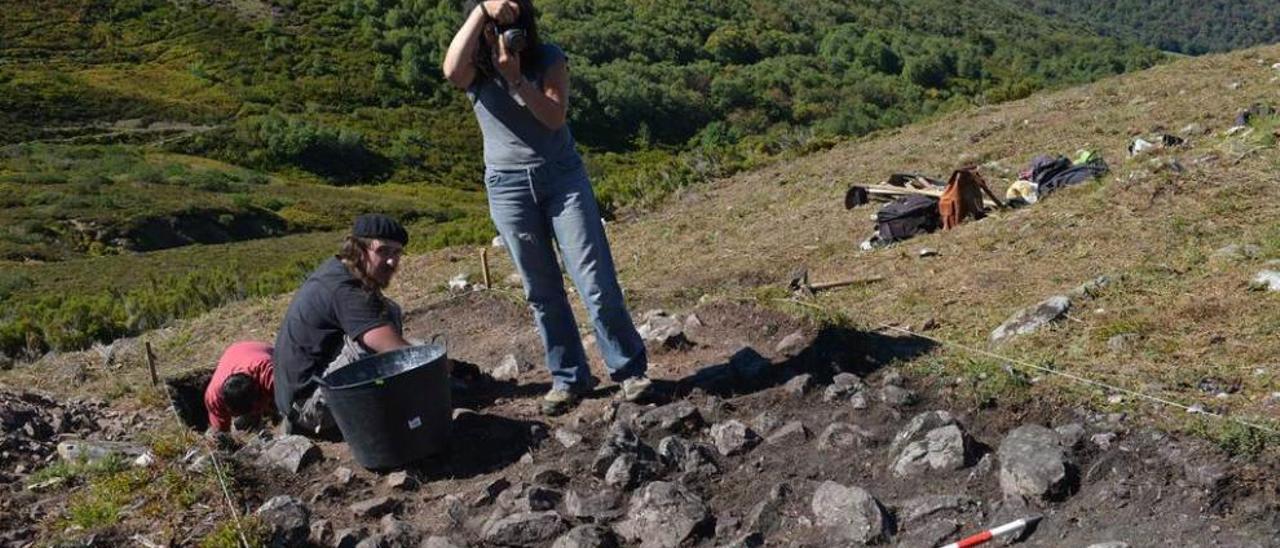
[(908, 216)]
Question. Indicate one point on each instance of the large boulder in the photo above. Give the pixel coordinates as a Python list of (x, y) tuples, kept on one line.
[(919, 426), (850, 514), (587, 536), (289, 520), (523, 529), (665, 514), (681, 417), (945, 448), (1032, 319), (287, 453), (734, 438), (1034, 463)]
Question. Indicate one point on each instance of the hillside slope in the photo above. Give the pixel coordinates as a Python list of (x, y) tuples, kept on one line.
[(1193, 331)]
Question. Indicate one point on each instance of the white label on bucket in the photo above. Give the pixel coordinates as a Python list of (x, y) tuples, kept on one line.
[(415, 422)]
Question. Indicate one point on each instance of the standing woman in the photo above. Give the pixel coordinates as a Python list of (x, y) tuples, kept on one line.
[(539, 193)]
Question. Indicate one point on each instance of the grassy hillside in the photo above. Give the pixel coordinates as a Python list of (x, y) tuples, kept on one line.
[(1186, 26), (1196, 332), (141, 125)]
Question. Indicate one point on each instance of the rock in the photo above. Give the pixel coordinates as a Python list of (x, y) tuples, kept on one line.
[(523, 529), (587, 536), (919, 425), (664, 514), (850, 514), (932, 533), (349, 537), (688, 457), (1033, 463), (859, 401), (767, 516), (799, 385), (1110, 544), (693, 322), (1030, 320), (401, 481), (288, 518), (458, 283), (510, 369), (1103, 440), (1236, 253), (375, 541), (764, 423), (375, 507), (513, 280), (623, 441), (842, 435), (842, 386), (733, 438), (567, 438), (1091, 289), (342, 476), (664, 331), (681, 417), (1071, 435), (927, 252), (627, 472), (598, 506), (791, 434), (791, 345), (398, 533), (1192, 129), (745, 540), (439, 542), (321, 533), (945, 448), (1267, 280), (748, 366), (92, 451), (288, 453), (528, 498), (897, 396), (919, 508), (1123, 342), (892, 378), (490, 492), (550, 477)]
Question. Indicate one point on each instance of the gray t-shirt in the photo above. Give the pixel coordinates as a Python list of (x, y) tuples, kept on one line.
[(327, 315), (513, 137)]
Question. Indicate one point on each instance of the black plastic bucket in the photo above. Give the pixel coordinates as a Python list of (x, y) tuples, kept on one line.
[(393, 408)]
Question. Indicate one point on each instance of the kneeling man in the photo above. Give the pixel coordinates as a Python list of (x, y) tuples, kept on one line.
[(242, 386), (339, 315)]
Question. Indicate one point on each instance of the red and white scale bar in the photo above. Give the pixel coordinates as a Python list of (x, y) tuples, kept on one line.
[(983, 537)]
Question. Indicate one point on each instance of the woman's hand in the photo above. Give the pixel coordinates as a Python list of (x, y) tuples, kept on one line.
[(506, 61), (503, 12)]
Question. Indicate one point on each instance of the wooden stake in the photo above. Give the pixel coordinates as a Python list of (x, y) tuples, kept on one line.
[(484, 267), (151, 364)]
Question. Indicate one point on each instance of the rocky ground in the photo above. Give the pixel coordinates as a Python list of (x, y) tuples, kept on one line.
[(766, 431)]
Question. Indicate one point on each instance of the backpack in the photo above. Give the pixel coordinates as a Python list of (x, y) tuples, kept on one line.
[(906, 217)]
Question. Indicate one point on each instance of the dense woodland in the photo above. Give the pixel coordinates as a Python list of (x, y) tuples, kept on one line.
[(1192, 27)]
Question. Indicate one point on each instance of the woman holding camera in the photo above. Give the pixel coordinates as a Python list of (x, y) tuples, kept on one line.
[(539, 192)]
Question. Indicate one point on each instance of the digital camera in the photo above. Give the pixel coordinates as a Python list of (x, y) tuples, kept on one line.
[(515, 39)]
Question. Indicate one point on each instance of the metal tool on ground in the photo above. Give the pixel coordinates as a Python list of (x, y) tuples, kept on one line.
[(800, 283), (995, 532)]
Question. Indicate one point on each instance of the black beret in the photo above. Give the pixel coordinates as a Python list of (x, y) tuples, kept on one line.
[(379, 227)]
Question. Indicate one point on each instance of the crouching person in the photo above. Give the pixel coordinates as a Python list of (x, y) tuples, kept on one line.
[(339, 315), (242, 387)]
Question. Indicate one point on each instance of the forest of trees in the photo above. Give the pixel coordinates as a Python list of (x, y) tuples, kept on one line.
[(1192, 27)]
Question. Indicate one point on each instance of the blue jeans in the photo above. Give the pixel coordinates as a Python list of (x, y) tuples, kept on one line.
[(533, 207)]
